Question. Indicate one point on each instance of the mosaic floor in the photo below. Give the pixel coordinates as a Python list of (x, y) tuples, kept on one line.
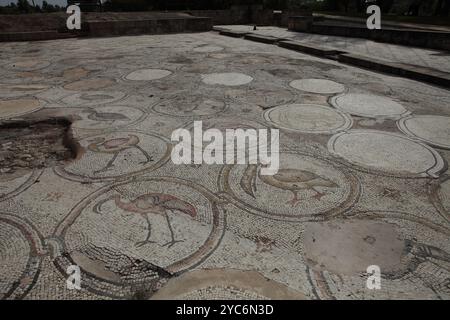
[(363, 175)]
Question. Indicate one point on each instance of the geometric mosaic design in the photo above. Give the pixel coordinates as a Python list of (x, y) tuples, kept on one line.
[(141, 227)]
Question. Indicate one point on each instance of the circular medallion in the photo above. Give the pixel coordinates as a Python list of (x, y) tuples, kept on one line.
[(225, 284), (93, 98), (89, 84), (434, 130), (241, 151), (308, 118), (105, 117), (21, 249), (148, 74), (117, 155), (17, 90), (186, 105), (387, 152), (226, 79), (27, 65), (264, 98), (139, 233), (305, 188), (423, 93), (14, 182), (12, 108), (439, 194), (370, 106), (320, 86)]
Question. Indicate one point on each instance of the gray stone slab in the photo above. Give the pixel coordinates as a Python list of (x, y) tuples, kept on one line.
[(308, 48)]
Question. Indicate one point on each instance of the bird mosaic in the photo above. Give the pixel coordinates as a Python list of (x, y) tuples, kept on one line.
[(109, 117), (152, 204), (115, 147), (293, 180)]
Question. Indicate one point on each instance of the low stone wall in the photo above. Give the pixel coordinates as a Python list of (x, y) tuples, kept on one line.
[(151, 26), (418, 38), (34, 36), (242, 15)]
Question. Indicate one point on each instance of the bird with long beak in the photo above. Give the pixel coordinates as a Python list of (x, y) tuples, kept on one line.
[(114, 147), (293, 180), (109, 117), (152, 204)]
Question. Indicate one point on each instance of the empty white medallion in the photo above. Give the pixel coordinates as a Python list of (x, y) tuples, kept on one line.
[(308, 118), (387, 152), (434, 130), (148, 74), (226, 79), (370, 106), (321, 86)]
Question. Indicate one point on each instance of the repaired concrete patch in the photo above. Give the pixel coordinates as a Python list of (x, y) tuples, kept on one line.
[(349, 247), (433, 130), (308, 118)]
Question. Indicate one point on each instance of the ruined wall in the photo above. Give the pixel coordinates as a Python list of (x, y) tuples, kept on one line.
[(247, 15)]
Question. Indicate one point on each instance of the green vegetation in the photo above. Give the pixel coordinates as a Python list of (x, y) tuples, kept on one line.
[(347, 7), (24, 6)]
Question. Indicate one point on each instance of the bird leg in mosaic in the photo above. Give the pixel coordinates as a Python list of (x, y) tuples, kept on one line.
[(173, 241), (318, 194), (149, 233), (109, 165), (294, 202), (147, 156)]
